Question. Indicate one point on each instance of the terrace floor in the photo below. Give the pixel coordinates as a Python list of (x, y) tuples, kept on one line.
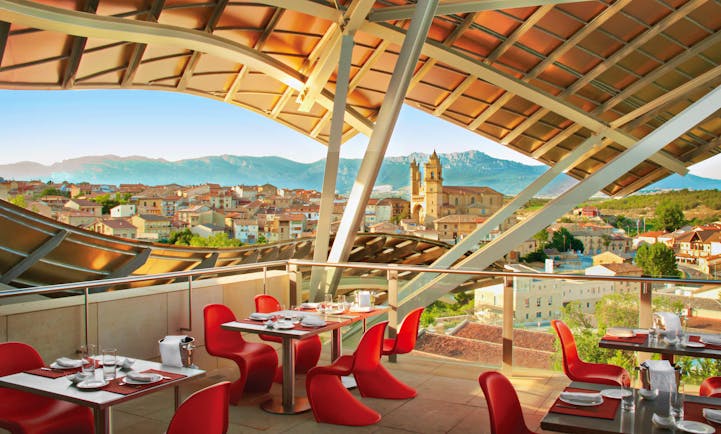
[(449, 401)]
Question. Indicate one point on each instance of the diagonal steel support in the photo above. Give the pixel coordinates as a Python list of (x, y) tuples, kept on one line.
[(469, 243), (37, 254), (322, 237), (634, 155), (378, 143), (4, 35)]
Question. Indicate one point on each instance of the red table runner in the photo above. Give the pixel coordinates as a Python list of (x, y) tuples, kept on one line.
[(296, 327), (127, 389), (638, 339), (709, 346), (694, 411), (607, 410)]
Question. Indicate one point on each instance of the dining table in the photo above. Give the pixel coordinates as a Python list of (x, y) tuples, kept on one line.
[(641, 340), (55, 383), (609, 418), (290, 403)]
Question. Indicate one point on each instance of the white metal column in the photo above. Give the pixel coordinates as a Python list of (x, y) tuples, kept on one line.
[(627, 160), (378, 143), (423, 280), (322, 235)]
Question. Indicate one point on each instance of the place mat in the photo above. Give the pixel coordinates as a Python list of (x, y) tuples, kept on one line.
[(709, 346), (694, 411), (297, 326), (638, 339), (126, 389), (607, 410), (53, 373)]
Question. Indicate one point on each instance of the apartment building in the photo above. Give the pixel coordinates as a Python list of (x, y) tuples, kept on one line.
[(86, 206), (115, 227), (151, 226), (245, 230), (123, 210)]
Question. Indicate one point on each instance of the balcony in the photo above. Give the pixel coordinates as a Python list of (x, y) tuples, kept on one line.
[(449, 398)]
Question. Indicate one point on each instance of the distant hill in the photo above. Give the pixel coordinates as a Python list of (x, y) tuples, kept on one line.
[(459, 168)]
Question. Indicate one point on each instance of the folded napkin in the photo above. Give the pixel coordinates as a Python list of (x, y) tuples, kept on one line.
[(669, 321), (713, 340), (142, 377), (170, 351), (312, 321), (67, 362), (309, 305), (712, 414), (581, 397), (620, 332), (662, 376), (260, 316)]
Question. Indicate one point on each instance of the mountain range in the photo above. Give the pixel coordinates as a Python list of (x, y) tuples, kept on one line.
[(459, 168)]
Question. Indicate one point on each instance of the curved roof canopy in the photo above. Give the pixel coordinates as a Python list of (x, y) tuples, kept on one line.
[(539, 76)]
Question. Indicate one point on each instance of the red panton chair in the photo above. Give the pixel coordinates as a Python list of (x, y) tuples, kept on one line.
[(711, 387), (329, 399), (503, 405), (307, 351), (27, 413), (205, 411), (257, 362), (578, 370), (405, 341)]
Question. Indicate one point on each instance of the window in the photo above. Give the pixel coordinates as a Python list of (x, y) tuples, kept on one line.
[(550, 300), (588, 304), (538, 314), (526, 316), (538, 302), (526, 302)]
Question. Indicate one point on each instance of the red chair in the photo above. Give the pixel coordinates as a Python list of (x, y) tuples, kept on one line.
[(405, 341), (329, 399), (578, 370), (205, 411), (307, 351), (24, 412), (503, 405), (257, 362), (711, 387)]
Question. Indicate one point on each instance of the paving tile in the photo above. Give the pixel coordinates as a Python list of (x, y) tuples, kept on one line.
[(427, 416)]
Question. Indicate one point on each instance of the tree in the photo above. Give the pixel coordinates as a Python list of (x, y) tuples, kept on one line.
[(657, 260), (535, 256), (181, 238), (262, 239), (19, 200), (563, 241), (669, 216)]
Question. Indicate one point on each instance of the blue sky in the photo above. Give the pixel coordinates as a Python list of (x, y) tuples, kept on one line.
[(51, 126)]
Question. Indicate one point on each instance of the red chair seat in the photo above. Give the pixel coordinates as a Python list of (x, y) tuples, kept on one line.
[(578, 370), (205, 411), (711, 387), (24, 412), (256, 362), (329, 400), (503, 405)]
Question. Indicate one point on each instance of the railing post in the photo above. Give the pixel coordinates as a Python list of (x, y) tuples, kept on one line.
[(507, 363), (265, 280), (393, 305), (645, 313), (86, 315), (295, 281), (190, 306)]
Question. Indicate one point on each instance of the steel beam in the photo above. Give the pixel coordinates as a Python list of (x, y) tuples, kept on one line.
[(4, 34), (37, 254), (136, 262), (76, 49), (139, 49), (627, 160), (378, 143), (459, 7), (322, 234), (195, 57), (470, 242)]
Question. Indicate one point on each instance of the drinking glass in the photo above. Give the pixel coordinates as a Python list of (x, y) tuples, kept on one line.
[(676, 404), (87, 354), (628, 400), (110, 362)]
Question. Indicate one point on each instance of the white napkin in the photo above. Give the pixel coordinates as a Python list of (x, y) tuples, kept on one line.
[(260, 316), (140, 376), (662, 376), (713, 340), (67, 362), (581, 397), (312, 321), (620, 332), (309, 305), (670, 322), (712, 414), (170, 351), (364, 298)]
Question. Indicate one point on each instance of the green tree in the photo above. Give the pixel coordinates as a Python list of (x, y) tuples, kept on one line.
[(563, 241), (216, 240), (53, 192), (535, 256), (19, 200), (108, 202), (657, 260), (669, 216), (262, 239), (180, 238)]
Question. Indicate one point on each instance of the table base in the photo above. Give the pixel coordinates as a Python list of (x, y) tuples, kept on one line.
[(300, 405)]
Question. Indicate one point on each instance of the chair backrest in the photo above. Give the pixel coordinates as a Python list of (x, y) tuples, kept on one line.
[(568, 346), (368, 354), (218, 340), (408, 332), (265, 303), (503, 405), (17, 357), (205, 411)]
